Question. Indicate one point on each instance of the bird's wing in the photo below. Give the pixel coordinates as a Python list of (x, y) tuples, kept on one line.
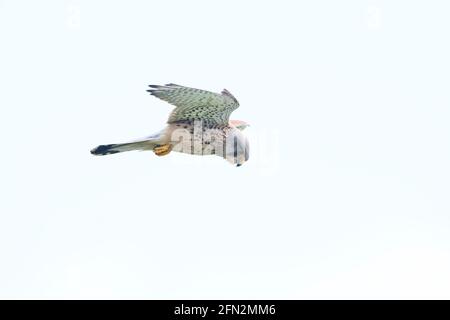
[(213, 109)]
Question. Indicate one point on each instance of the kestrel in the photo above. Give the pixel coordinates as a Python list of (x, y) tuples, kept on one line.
[(198, 125)]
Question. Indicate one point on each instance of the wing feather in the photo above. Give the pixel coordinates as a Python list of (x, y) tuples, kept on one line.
[(192, 104)]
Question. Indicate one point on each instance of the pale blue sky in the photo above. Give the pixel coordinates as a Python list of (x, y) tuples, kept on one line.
[(346, 194)]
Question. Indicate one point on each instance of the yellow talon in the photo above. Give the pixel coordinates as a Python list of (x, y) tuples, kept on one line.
[(162, 150)]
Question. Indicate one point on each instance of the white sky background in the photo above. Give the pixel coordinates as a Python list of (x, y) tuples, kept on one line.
[(346, 194)]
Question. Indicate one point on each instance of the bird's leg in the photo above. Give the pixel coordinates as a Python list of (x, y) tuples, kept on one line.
[(162, 149)]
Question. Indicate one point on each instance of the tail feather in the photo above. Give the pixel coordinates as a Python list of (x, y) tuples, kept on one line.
[(122, 147), (104, 149)]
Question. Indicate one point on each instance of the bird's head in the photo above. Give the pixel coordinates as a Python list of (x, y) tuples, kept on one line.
[(237, 145), (239, 124)]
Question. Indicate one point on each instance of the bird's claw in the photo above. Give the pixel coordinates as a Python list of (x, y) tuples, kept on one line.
[(162, 150)]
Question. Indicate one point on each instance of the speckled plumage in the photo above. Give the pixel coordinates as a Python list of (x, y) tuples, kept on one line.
[(195, 104)]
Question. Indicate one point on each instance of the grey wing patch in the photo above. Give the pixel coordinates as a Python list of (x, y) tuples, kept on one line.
[(192, 104), (228, 94)]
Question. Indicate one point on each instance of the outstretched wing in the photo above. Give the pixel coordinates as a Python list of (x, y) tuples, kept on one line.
[(194, 104)]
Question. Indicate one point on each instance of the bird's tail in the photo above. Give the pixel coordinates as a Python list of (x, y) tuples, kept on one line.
[(145, 144)]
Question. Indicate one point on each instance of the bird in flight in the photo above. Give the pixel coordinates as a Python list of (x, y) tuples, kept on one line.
[(198, 125)]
